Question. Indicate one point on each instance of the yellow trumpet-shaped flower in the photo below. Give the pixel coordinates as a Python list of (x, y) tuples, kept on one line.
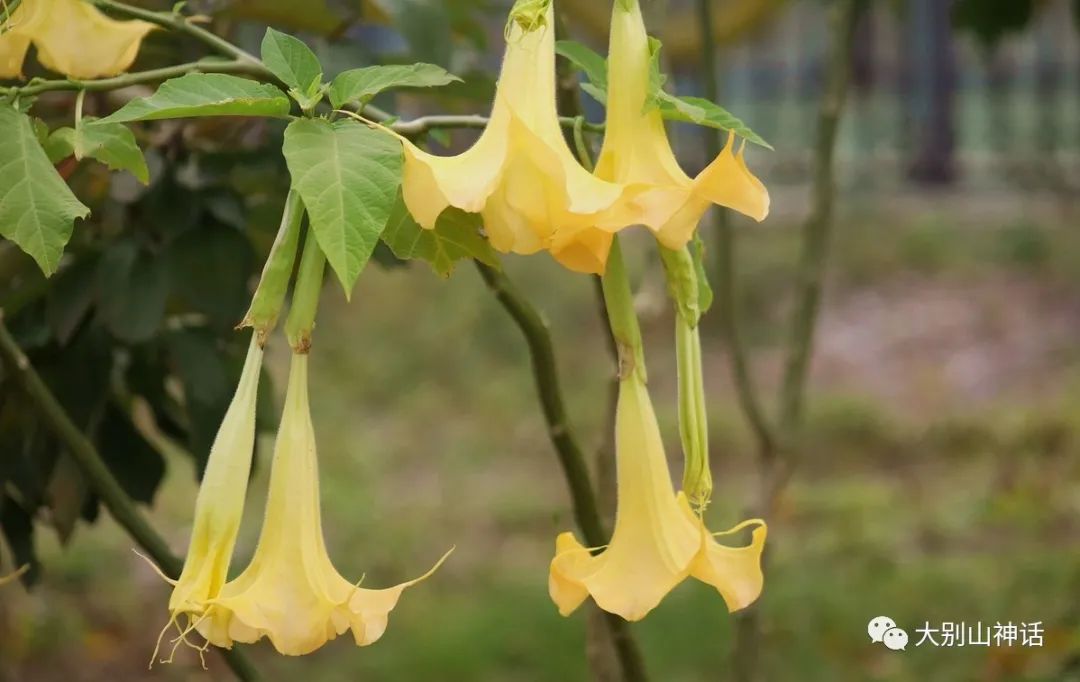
[(72, 37), (520, 174), (219, 505), (291, 592), (636, 151), (658, 540)]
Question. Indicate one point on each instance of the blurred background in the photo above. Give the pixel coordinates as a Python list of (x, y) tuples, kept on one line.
[(939, 476)]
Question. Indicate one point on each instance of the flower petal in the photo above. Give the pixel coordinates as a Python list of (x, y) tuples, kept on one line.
[(653, 543), (585, 252), (219, 505), (735, 572), (373, 607), (77, 40), (571, 560), (728, 182)]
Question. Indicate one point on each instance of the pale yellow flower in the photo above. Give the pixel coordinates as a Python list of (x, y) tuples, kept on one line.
[(520, 174), (219, 505), (636, 152), (72, 37), (290, 592), (658, 540)]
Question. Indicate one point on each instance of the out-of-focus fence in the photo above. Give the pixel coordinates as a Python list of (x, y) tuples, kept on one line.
[(930, 105)]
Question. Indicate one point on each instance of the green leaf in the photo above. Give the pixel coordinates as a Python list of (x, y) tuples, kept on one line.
[(205, 94), (211, 267), (360, 85), (133, 286), (705, 113), (456, 237), (590, 63), (295, 64), (59, 145), (113, 144), (348, 175), (673, 108), (37, 210)]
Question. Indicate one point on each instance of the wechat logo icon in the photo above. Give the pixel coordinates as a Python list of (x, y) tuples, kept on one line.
[(883, 630)]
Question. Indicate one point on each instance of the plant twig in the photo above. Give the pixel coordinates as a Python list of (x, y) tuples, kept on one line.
[(815, 247), (571, 456), (112, 494), (177, 22), (724, 270), (36, 87), (818, 227)]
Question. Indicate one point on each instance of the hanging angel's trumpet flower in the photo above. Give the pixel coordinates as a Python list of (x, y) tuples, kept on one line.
[(520, 174), (636, 151), (219, 505), (291, 592), (72, 37), (658, 540)]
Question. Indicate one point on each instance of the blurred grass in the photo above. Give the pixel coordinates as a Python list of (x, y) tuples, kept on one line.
[(943, 509)]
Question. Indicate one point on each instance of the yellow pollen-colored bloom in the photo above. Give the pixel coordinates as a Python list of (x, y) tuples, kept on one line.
[(72, 37), (291, 592), (658, 540), (520, 174), (636, 153), (219, 506)]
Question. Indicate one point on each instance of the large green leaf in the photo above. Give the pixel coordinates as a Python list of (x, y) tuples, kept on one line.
[(37, 210), (113, 144), (360, 85), (205, 94), (348, 175), (293, 62), (133, 285), (456, 237)]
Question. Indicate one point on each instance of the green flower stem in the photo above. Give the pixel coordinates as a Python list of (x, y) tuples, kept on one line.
[(684, 289), (274, 283), (624, 323), (693, 416), (305, 301), (567, 446), (97, 473)]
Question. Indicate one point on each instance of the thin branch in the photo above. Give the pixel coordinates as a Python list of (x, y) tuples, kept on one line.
[(816, 232), (571, 456), (542, 354), (419, 126), (177, 22), (36, 87), (725, 276), (818, 227), (112, 494)]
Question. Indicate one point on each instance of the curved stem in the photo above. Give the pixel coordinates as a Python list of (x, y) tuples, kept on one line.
[(571, 456), (815, 246), (104, 484), (177, 22), (36, 87)]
